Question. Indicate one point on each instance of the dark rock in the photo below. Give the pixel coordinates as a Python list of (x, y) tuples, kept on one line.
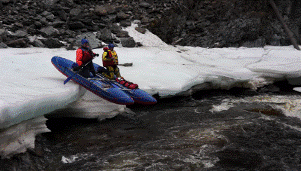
[(52, 43), (93, 40), (139, 44), (6, 1), (3, 35), (239, 158), (115, 28), (144, 5), (19, 43), (101, 10), (35, 41), (76, 25), (3, 45), (257, 43), (128, 42), (38, 24), (105, 35), (141, 30), (49, 31), (75, 11), (62, 15), (122, 33), (125, 23), (50, 17), (122, 16), (19, 34), (104, 10), (58, 23)]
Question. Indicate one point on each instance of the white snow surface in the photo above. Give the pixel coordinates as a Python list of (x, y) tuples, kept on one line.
[(32, 87)]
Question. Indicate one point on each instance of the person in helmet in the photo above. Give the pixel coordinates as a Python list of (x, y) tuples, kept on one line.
[(110, 62), (84, 56)]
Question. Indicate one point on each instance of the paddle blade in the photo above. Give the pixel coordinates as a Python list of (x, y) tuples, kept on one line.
[(68, 79)]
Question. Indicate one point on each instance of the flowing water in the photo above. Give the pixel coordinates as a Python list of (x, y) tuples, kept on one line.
[(210, 130)]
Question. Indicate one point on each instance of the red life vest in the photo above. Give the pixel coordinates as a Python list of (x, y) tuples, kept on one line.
[(83, 56)]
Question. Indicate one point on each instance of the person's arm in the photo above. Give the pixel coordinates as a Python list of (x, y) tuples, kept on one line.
[(79, 57)]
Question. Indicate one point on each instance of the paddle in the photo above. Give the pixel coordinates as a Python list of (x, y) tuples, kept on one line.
[(80, 68)]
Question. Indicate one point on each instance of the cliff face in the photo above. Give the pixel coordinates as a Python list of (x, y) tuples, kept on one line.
[(204, 23), (227, 23)]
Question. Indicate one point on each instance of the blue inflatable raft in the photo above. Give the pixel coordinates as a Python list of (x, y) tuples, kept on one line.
[(107, 89)]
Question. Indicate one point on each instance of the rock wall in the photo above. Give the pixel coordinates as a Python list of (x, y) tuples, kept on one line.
[(204, 23)]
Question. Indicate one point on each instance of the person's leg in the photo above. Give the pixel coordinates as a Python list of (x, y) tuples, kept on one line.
[(109, 73), (91, 68), (85, 72), (117, 72)]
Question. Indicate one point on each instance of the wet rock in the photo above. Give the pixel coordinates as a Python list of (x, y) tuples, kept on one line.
[(128, 42), (52, 43), (19, 43), (239, 157)]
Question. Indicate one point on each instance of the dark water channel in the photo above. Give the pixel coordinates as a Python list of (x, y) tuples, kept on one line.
[(181, 133)]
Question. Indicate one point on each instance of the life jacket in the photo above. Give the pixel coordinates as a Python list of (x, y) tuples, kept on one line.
[(83, 55), (109, 57)]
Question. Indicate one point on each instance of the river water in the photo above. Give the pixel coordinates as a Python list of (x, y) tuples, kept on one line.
[(211, 130)]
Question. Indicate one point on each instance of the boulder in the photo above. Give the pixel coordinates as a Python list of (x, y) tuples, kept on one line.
[(52, 43), (140, 30), (105, 35), (122, 33), (128, 42), (58, 23), (103, 10), (93, 40), (3, 45), (49, 31), (19, 33), (76, 25), (145, 5), (35, 41), (19, 43), (3, 35), (75, 11), (115, 28), (125, 23), (122, 16)]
